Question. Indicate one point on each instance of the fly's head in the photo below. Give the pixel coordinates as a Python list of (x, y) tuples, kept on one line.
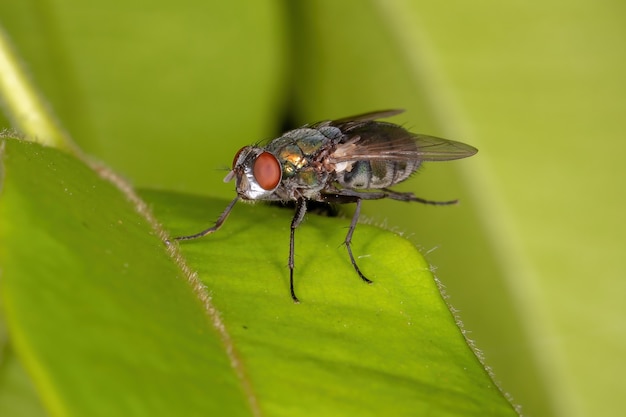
[(258, 173)]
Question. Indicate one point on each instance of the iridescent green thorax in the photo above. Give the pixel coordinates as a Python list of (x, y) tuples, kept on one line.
[(299, 151)]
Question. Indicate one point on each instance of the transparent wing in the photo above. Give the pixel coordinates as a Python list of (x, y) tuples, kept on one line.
[(371, 140), (367, 117), (412, 146), (432, 148), (350, 122)]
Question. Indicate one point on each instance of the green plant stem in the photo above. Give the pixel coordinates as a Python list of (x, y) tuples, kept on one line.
[(24, 106)]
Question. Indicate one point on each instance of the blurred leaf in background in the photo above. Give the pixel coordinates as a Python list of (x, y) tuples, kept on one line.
[(166, 92)]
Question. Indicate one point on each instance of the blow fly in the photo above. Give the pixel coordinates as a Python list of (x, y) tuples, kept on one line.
[(341, 161)]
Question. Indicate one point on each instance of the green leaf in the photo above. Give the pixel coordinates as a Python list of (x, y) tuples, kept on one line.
[(532, 257), (348, 348), (107, 323), (18, 397), (98, 313)]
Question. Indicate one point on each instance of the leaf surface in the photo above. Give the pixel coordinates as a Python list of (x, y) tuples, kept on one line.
[(99, 315), (348, 348)]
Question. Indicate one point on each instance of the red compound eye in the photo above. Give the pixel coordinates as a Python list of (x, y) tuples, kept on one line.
[(237, 156), (266, 171)]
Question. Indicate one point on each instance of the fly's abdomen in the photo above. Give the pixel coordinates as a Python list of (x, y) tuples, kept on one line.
[(375, 173)]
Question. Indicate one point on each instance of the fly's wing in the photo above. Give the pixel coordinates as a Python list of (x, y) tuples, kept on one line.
[(365, 117), (347, 123), (432, 148), (370, 140)]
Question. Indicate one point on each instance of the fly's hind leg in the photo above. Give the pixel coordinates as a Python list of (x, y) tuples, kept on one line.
[(395, 195), (343, 196), (352, 196), (348, 240)]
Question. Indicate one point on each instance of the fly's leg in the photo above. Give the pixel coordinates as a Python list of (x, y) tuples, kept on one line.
[(344, 196), (297, 219), (348, 240), (211, 229), (394, 195), (351, 196)]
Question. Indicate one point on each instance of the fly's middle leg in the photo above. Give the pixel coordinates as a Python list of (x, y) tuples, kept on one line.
[(297, 219)]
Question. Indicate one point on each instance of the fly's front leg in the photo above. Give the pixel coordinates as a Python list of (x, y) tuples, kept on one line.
[(297, 219), (348, 240), (213, 228)]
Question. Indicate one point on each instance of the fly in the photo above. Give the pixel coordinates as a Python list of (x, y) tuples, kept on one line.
[(342, 161)]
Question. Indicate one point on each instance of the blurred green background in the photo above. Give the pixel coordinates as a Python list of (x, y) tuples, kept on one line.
[(166, 92)]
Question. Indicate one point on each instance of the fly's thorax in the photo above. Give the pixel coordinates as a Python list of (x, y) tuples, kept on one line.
[(299, 152), (299, 149), (375, 173), (258, 173)]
